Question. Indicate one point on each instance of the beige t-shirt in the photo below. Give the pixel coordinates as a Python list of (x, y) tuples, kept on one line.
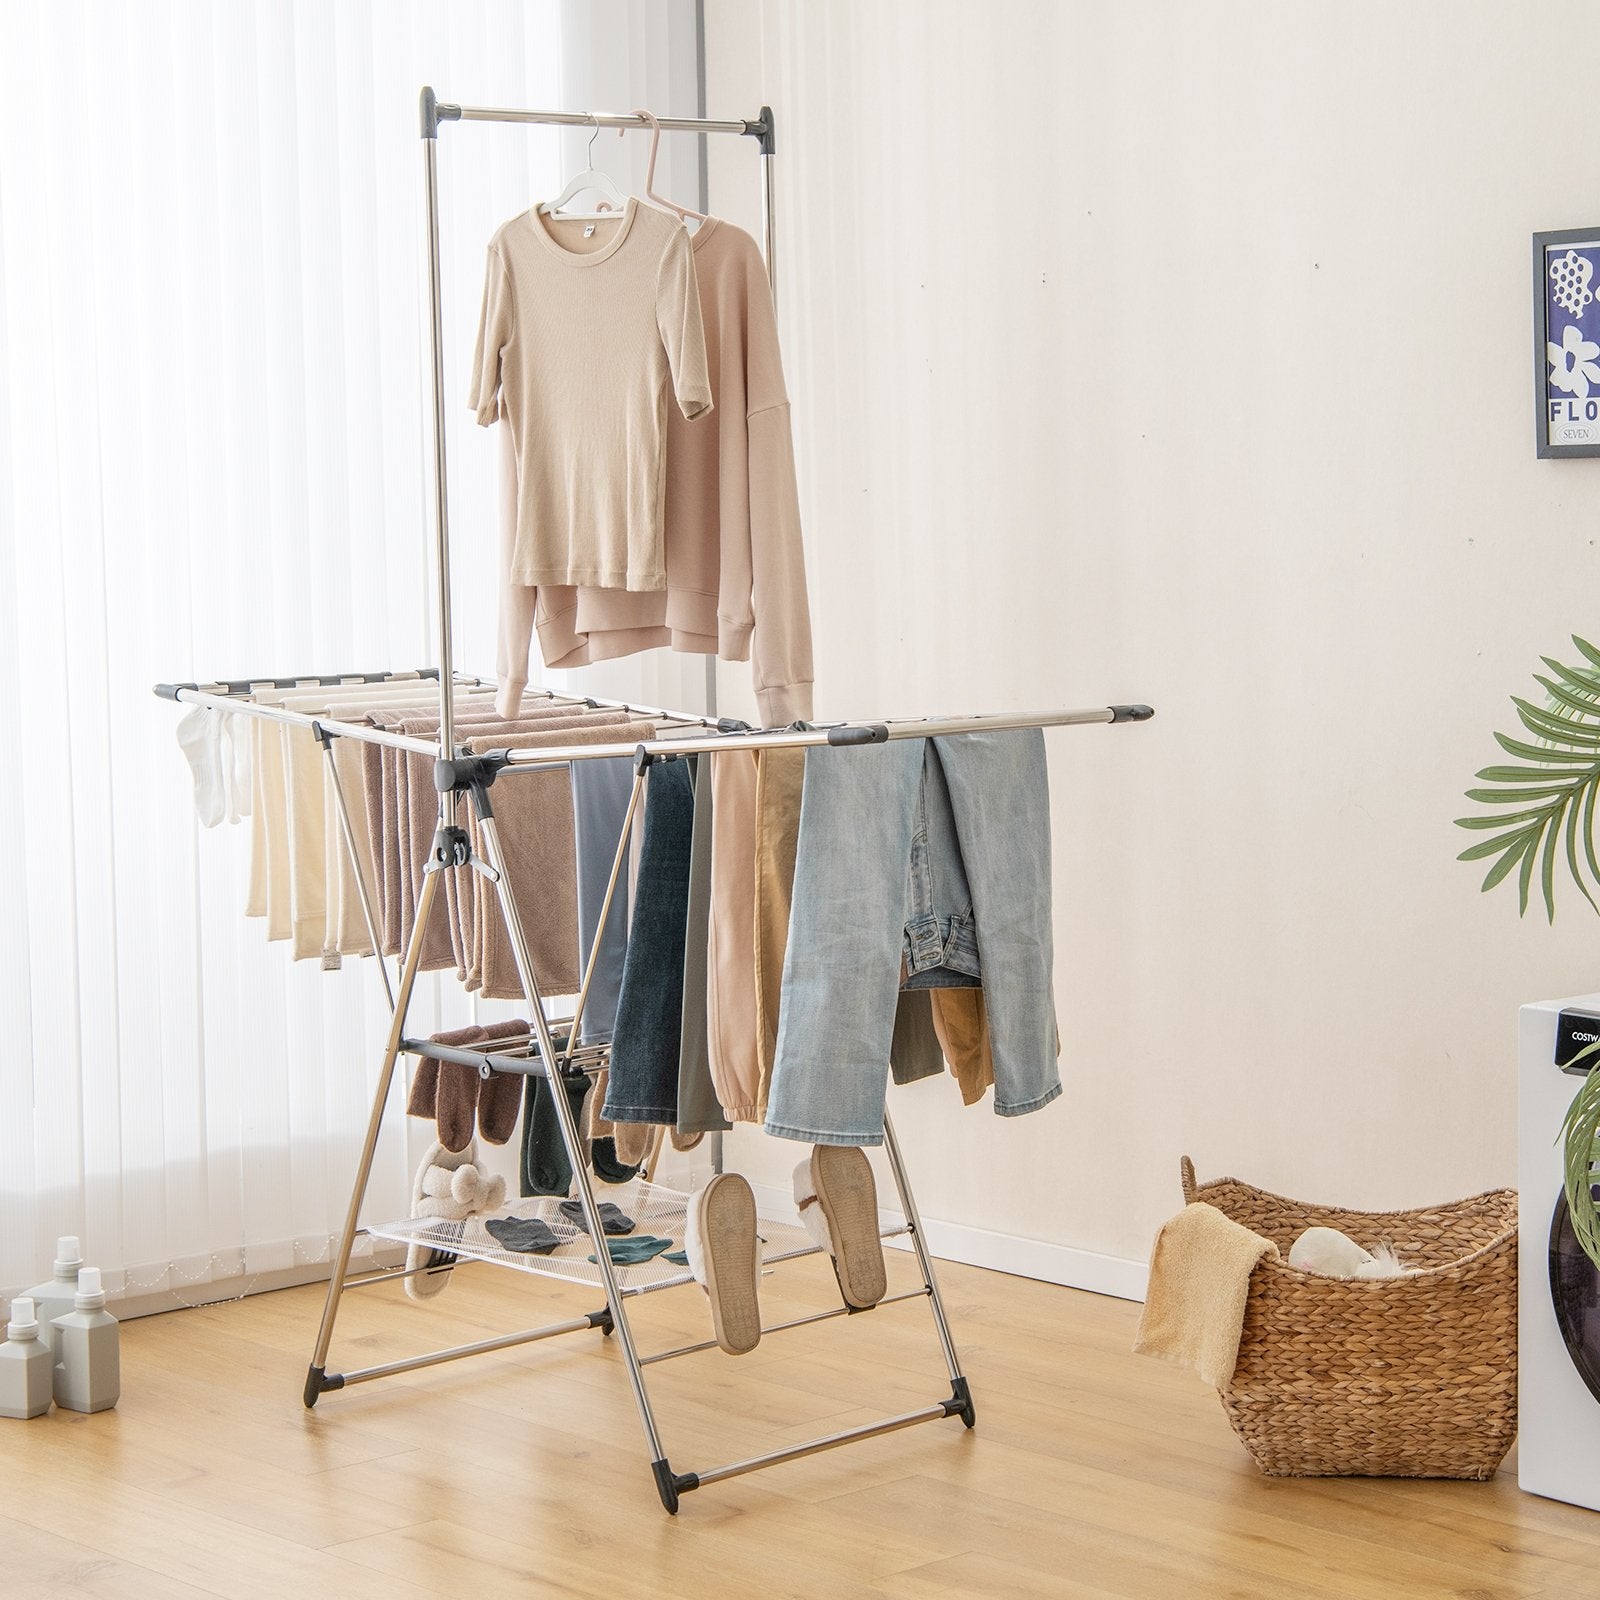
[(587, 323), (736, 576)]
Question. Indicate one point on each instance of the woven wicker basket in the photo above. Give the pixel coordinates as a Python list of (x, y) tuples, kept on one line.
[(1411, 1377)]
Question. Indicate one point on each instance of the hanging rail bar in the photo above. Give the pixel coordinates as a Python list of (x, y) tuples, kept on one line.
[(444, 112), (301, 719), (595, 1319), (653, 713), (305, 680), (722, 733), (933, 1413), (501, 1060), (856, 733), (783, 1327)]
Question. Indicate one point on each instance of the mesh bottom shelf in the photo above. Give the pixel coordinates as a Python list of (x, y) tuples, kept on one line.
[(654, 1209)]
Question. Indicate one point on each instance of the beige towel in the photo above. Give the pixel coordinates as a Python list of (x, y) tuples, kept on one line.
[(1199, 1281)]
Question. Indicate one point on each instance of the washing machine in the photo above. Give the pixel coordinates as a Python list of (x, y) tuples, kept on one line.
[(1558, 1304)]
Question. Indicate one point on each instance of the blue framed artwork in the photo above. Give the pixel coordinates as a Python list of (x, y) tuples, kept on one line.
[(1566, 341)]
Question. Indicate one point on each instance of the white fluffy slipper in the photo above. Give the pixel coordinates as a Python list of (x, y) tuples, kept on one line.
[(432, 1196), (724, 1252)]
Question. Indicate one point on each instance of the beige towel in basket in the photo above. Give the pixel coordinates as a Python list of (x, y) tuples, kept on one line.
[(1199, 1281)]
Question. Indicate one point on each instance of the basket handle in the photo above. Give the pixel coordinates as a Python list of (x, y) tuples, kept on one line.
[(1186, 1176)]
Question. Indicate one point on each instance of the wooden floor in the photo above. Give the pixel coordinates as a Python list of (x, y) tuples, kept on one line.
[(1091, 1472)]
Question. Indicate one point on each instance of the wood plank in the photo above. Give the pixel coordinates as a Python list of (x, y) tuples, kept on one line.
[(1092, 1473)]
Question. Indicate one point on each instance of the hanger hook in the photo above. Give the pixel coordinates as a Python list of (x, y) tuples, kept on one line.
[(592, 137)]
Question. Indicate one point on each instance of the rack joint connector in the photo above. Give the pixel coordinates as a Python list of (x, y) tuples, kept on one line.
[(960, 1402), (319, 1382), (462, 773), (764, 128), (452, 847), (433, 114), (670, 1485)]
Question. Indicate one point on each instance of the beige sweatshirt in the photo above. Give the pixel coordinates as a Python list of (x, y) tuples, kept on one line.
[(587, 324), (735, 563)]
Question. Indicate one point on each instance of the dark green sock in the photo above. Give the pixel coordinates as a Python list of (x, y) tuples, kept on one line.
[(545, 1167)]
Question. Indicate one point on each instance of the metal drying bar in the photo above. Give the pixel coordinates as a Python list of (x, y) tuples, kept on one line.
[(462, 778)]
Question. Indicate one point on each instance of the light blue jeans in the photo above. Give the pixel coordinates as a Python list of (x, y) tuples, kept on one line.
[(919, 857)]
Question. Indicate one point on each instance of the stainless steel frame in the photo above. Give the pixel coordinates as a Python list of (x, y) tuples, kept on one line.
[(452, 853)]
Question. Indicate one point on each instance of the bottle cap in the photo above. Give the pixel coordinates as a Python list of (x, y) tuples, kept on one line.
[(90, 1295), (22, 1324), (69, 1254)]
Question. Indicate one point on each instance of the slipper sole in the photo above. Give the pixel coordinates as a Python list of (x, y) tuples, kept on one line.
[(848, 1195), (439, 1263), (732, 1262)]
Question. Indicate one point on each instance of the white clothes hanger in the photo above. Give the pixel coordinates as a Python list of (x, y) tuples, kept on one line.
[(612, 200), (683, 213)]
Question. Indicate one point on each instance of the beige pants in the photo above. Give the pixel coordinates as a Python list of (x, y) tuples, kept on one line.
[(731, 1015), (780, 776)]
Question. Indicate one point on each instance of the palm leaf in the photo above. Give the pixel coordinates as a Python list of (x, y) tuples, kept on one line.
[(1502, 819), (1543, 802), (1564, 697), (1533, 752), (1547, 725), (1580, 1136), (1492, 847), (1575, 677), (1572, 849)]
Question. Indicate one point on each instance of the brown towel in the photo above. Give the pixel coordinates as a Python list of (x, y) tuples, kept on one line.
[(417, 807), (468, 888), (408, 813), (534, 814), (461, 887), (1199, 1282), (500, 1095), (448, 1091)]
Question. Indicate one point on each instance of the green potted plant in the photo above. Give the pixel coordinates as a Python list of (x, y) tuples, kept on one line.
[(1542, 815)]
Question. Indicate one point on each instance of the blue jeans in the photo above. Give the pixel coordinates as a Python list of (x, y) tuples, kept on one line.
[(919, 858)]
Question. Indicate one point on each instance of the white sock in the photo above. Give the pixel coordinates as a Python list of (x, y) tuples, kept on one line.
[(200, 739)]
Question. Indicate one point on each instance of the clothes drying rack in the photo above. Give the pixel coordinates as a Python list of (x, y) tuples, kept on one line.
[(552, 1050)]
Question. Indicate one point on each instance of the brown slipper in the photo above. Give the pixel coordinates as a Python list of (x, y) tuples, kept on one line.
[(848, 1195), (725, 1256)]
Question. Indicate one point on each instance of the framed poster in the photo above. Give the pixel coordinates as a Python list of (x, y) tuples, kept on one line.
[(1566, 341)]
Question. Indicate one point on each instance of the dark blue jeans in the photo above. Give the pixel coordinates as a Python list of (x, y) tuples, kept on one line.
[(600, 791), (647, 1038)]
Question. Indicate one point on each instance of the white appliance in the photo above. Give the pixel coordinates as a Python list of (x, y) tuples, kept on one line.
[(1558, 1303)]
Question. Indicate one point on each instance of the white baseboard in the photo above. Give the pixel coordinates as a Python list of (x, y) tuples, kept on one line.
[(151, 1302), (1003, 1252)]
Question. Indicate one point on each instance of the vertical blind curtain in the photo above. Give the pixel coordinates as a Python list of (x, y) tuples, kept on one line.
[(214, 462)]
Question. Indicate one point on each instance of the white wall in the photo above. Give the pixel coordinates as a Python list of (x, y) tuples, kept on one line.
[(1181, 353)]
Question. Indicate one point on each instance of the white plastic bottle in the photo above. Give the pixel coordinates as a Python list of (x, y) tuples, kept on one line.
[(54, 1297), (88, 1373), (26, 1366)]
